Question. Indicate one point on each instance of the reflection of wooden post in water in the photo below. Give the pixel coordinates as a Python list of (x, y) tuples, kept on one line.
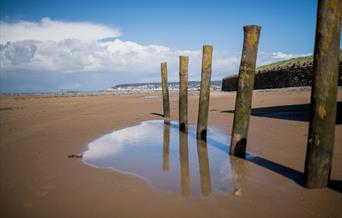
[(203, 107), (184, 163), (244, 94), (165, 90), (204, 167), (183, 93), (166, 147), (239, 170), (323, 94)]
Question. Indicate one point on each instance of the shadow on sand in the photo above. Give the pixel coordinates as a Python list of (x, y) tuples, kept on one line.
[(297, 112), (290, 173), (158, 114), (295, 175)]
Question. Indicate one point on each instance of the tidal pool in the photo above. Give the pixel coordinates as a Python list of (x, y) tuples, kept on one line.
[(170, 160)]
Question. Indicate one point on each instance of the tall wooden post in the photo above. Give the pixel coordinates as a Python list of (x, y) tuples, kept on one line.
[(166, 147), (183, 93), (323, 95), (244, 94), (184, 163), (203, 107), (204, 168), (165, 90)]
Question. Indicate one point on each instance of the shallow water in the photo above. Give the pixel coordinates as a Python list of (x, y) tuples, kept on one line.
[(170, 160)]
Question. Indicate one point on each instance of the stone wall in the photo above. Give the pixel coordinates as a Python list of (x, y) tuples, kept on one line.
[(292, 75)]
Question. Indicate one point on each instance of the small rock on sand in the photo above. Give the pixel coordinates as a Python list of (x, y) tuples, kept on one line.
[(75, 156)]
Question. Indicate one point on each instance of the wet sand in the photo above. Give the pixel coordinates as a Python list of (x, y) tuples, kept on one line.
[(37, 133)]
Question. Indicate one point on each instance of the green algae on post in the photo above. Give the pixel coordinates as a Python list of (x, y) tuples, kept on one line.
[(203, 106), (321, 136), (165, 91), (244, 94), (183, 93)]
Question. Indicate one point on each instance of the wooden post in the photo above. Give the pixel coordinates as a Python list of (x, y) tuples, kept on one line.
[(204, 93), (183, 93), (184, 163), (323, 94), (165, 90), (204, 168), (166, 147), (244, 94)]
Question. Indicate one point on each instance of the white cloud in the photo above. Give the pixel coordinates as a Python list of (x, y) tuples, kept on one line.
[(123, 61), (69, 54), (47, 29), (117, 56)]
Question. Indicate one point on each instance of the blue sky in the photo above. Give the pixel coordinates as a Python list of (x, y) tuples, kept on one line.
[(142, 34), (287, 26)]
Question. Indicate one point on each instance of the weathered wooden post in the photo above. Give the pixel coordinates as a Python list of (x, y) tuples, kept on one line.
[(184, 163), (165, 90), (204, 168), (323, 94), (244, 94), (166, 147), (183, 93), (204, 93)]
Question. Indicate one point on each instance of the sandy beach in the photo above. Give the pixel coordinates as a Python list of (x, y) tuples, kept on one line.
[(39, 180)]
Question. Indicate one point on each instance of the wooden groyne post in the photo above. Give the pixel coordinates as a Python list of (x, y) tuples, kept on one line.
[(244, 94), (183, 93), (204, 92), (165, 90), (323, 94)]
